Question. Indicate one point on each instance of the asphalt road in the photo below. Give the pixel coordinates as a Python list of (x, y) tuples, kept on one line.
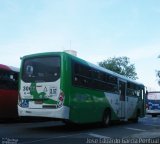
[(147, 130)]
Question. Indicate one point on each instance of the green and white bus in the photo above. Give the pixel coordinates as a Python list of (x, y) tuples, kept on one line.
[(62, 86)]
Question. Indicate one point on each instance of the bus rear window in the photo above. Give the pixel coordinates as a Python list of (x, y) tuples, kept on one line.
[(41, 69), (8, 80)]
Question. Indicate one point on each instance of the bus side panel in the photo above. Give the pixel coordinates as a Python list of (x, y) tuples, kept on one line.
[(141, 107), (86, 105), (143, 103), (8, 103), (89, 105), (65, 83), (138, 109)]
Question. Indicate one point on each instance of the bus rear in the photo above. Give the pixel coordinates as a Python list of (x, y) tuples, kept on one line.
[(153, 103), (40, 93), (8, 91)]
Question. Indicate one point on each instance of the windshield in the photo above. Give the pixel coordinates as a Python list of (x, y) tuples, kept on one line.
[(8, 80), (41, 69), (153, 96)]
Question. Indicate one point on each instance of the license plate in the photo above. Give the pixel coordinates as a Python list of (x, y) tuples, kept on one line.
[(38, 102)]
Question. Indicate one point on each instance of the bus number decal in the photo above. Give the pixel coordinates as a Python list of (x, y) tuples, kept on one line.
[(26, 88), (53, 91)]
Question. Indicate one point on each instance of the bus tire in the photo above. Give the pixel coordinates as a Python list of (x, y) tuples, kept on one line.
[(69, 124), (106, 118)]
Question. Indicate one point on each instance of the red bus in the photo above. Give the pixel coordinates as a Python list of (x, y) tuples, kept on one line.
[(8, 91)]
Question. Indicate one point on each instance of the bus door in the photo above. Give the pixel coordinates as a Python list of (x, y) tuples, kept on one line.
[(122, 92)]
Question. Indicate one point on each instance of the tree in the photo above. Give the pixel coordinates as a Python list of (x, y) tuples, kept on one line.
[(120, 65)]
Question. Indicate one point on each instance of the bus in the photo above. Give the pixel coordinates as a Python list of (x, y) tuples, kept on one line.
[(64, 87), (153, 103), (8, 91)]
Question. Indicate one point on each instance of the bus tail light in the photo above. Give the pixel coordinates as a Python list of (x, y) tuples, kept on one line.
[(60, 100), (61, 96)]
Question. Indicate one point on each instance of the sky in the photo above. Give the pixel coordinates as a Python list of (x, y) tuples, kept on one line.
[(96, 29)]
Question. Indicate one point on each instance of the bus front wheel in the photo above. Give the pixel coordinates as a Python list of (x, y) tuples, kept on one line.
[(106, 118)]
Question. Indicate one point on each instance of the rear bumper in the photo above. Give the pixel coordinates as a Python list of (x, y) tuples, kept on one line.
[(60, 113), (153, 111)]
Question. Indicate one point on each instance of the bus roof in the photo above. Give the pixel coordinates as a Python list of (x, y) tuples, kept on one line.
[(40, 54), (8, 68), (114, 74), (14, 69), (85, 62), (154, 92)]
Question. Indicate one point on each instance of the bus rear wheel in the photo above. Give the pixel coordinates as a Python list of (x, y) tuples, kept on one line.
[(106, 118)]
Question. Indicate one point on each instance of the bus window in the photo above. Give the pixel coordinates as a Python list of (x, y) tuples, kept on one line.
[(42, 69)]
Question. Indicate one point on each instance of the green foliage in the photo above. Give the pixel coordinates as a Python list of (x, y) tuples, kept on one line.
[(120, 65)]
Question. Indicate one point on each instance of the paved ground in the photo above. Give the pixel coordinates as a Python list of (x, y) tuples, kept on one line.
[(147, 130)]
